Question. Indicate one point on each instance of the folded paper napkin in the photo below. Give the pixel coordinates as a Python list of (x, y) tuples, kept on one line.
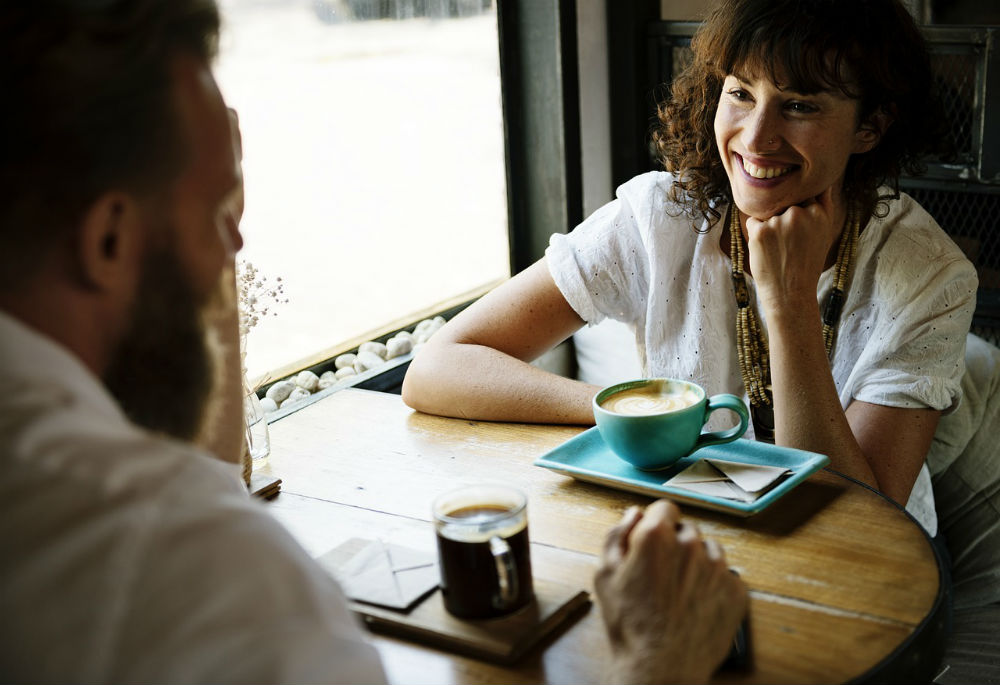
[(728, 479), (386, 574)]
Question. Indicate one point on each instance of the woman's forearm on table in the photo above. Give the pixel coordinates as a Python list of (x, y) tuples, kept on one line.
[(478, 365), (478, 382)]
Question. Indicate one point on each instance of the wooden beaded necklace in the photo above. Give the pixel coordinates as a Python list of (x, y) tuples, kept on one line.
[(751, 345)]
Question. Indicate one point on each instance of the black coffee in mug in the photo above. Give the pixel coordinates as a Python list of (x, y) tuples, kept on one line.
[(483, 551)]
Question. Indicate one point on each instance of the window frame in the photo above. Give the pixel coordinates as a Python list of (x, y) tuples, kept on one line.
[(540, 87)]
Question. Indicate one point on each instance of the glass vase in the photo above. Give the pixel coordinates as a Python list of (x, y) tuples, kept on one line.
[(258, 440)]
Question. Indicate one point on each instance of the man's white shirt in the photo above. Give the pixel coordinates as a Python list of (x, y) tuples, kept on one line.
[(131, 557)]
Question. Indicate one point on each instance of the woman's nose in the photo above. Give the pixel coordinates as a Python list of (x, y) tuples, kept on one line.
[(762, 133)]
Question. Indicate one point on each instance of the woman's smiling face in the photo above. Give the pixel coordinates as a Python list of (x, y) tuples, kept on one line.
[(781, 148)]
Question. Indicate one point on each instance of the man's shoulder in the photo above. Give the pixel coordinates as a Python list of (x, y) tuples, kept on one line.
[(91, 508), (168, 562), (74, 475), (52, 437)]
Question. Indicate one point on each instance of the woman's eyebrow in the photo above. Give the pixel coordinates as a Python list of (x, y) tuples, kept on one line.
[(747, 80)]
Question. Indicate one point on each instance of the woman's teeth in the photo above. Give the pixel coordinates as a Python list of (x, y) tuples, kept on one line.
[(764, 172)]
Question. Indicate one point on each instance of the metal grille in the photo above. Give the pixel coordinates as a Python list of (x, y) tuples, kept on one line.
[(958, 192), (956, 81)]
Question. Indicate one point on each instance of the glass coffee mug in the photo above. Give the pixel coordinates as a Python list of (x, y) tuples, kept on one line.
[(483, 551)]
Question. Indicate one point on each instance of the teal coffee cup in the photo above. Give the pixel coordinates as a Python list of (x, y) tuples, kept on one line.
[(651, 423)]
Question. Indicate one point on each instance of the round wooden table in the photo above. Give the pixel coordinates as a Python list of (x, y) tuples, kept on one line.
[(844, 583)]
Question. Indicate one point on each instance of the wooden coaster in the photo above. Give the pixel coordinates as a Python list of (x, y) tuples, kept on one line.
[(502, 640), (264, 486)]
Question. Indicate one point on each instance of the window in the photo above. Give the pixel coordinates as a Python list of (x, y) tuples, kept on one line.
[(373, 160)]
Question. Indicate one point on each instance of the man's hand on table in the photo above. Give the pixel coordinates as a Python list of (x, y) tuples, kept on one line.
[(671, 606)]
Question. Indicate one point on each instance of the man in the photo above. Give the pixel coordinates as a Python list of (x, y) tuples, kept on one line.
[(131, 550)]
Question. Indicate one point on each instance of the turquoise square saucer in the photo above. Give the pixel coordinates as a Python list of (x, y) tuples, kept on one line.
[(587, 457)]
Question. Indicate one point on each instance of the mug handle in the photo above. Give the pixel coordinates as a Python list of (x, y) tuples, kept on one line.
[(724, 401), (506, 572)]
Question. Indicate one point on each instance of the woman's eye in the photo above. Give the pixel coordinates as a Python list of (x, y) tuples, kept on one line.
[(801, 107), (738, 94)]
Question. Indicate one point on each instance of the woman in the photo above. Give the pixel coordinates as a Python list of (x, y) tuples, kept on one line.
[(808, 281)]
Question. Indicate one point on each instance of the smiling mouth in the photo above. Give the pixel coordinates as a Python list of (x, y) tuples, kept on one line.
[(764, 171)]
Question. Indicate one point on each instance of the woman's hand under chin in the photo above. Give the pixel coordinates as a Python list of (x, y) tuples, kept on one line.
[(790, 250)]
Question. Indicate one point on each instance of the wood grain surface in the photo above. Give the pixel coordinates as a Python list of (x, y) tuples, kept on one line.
[(840, 577)]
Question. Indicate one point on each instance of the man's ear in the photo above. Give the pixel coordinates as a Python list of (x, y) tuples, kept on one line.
[(872, 129), (107, 248)]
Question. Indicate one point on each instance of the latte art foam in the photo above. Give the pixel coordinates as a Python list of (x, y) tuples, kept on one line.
[(646, 400)]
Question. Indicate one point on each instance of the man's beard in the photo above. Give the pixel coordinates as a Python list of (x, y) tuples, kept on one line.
[(163, 372)]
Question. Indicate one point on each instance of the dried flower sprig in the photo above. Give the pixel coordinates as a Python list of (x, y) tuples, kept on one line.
[(258, 296)]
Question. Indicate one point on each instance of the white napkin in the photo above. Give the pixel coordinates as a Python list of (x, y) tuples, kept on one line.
[(728, 479), (388, 575)]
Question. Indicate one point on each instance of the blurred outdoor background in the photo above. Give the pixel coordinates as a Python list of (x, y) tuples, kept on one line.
[(373, 159)]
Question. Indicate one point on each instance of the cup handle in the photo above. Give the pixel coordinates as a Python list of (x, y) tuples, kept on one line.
[(506, 572), (724, 401)]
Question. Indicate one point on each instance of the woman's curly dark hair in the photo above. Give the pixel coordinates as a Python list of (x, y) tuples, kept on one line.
[(871, 50)]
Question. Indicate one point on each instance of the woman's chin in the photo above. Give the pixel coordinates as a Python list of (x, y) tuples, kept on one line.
[(761, 212)]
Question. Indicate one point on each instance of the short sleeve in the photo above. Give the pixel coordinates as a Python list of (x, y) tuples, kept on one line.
[(914, 354), (601, 267)]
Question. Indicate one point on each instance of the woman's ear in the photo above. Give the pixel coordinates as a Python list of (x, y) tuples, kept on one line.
[(871, 130), (107, 246)]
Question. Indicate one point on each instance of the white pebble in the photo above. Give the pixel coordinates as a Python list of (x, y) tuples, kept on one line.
[(268, 405), (404, 334), (426, 328), (398, 346), (280, 391), (376, 347), (367, 360), (370, 360), (307, 380), (344, 360), (297, 395), (345, 372), (327, 379)]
